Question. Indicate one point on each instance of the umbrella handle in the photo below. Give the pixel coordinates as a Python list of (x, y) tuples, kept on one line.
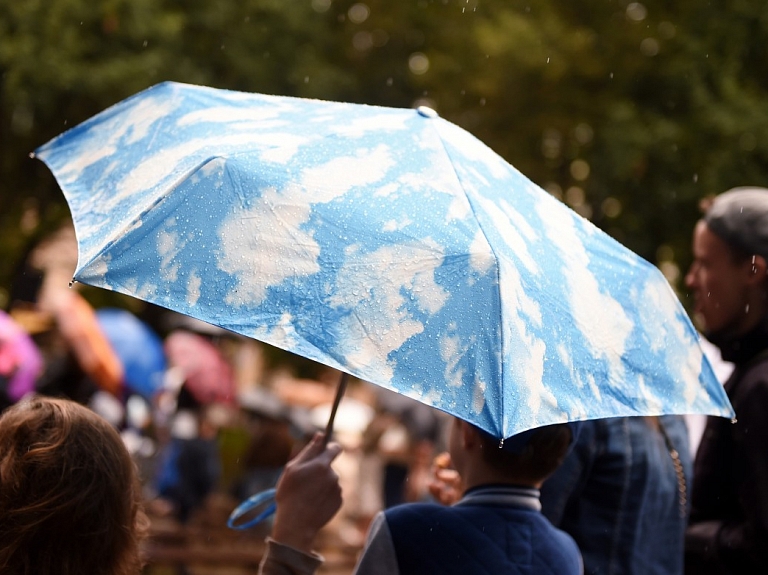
[(264, 497), (336, 401), (268, 496)]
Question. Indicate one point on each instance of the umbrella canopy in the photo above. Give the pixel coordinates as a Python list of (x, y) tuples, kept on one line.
[(139, 348), (77, 322), (387, 243), (20, 360), (206, 373)]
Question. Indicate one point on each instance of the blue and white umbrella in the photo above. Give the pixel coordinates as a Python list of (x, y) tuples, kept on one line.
[(387, 243)]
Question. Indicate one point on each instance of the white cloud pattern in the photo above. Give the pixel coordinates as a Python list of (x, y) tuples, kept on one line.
[(379, 241)]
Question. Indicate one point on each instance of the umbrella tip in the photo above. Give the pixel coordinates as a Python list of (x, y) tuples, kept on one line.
[(32, 155), (427, 112), (72, 282)]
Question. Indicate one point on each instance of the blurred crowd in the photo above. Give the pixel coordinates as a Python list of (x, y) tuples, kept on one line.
[(202, 413)]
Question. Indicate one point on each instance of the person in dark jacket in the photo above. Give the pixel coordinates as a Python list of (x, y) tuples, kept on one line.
[(496, 526), (728, 528), (622, 494)]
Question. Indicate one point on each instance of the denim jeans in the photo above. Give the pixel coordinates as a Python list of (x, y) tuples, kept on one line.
[(619, 496)]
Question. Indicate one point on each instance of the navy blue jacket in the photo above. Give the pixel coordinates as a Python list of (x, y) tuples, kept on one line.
[(493, 529)]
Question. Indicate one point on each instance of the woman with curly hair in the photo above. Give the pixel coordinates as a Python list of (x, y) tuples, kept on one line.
[(70, 499)]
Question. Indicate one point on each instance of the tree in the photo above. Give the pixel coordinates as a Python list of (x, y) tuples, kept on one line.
[(630, 112)]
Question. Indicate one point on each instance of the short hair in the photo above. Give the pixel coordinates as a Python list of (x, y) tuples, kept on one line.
[(536, 460), (70, 497), (740, 218)]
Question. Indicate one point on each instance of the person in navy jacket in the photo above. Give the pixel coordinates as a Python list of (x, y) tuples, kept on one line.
[(496, 526)]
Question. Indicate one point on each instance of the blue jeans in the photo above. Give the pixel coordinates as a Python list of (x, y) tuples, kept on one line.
[(618, 495)]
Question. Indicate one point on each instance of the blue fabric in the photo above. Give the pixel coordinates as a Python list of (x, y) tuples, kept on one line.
[(387, 243), (478, 539), (168, 472), (617, 495), (139, 348), (189, 473)]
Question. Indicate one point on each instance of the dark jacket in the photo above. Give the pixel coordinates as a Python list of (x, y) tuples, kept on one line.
[(480, 537), (618, 494), (728, 530)]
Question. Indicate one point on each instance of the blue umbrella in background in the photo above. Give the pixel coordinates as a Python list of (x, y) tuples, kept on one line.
[(139, 348), (387, 243)]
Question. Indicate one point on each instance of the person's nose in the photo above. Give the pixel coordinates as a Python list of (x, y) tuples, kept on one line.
[(691, 278)]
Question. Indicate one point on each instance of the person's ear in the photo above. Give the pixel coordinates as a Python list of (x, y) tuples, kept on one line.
[(758, 270), (469, 435)]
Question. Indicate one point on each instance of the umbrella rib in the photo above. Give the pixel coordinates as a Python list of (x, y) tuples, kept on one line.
[(162, 196), (495, 258)]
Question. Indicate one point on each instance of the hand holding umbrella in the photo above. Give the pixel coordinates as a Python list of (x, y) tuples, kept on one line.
[(308, 494), (268, 499)]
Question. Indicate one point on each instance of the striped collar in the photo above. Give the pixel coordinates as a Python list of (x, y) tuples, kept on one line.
[(506, 495)]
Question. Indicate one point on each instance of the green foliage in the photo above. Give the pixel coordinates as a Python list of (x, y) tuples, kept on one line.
[(630, 112)]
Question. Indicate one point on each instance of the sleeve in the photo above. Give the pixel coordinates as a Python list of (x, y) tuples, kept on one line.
[(751, 534), (739, 544), (378, 556), (281, 559)]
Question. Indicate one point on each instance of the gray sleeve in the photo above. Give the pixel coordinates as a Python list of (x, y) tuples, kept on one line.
[(284, 560), (378, 556)]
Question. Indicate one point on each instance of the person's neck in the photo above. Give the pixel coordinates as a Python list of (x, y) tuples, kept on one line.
[(482, 475), (741, 346)]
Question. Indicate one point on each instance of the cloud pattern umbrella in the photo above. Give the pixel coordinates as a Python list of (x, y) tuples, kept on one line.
[(387, 243)]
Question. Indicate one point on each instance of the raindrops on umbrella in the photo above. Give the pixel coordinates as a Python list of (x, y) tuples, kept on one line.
[(387, 243)]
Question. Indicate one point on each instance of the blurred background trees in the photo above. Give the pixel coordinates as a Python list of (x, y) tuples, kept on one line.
[(629, 112)]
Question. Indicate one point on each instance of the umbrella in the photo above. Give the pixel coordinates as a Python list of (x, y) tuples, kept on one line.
[(206, 373), (139, 348), (20, 360), (387, 243), (77, 322)]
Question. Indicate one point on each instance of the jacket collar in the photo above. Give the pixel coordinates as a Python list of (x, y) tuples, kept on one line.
[(743, 348), (502, 495)]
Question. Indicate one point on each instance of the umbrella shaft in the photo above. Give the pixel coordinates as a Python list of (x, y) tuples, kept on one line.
[(339, 394)]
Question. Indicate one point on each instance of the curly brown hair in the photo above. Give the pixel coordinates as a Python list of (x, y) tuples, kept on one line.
[(70, 498)]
